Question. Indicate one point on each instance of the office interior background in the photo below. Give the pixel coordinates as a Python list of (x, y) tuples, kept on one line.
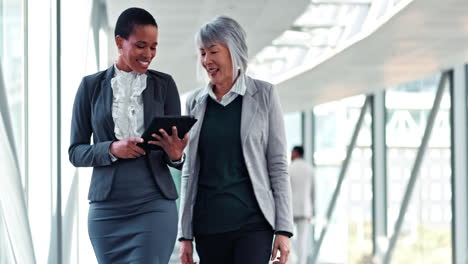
[(375, 90)]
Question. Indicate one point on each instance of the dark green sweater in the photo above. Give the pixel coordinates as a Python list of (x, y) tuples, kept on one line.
[(225, 199)]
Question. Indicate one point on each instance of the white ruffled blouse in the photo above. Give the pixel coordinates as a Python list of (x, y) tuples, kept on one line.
[(127, 103)]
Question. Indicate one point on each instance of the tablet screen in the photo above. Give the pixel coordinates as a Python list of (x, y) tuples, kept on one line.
[(183, 124)]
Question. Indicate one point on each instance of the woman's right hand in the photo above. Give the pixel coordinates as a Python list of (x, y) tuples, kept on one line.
[(186, 252), (127, 148)]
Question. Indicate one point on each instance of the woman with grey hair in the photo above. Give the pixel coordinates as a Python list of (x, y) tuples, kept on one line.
[(236, 194)]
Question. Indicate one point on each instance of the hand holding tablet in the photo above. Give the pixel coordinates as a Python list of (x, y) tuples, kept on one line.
[(182, 123)]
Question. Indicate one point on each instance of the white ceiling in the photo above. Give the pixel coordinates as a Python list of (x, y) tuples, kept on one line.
[(417, 39), (179, 20), (424, 37)]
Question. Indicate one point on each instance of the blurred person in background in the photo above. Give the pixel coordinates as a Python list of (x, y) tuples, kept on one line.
[(302, 184)]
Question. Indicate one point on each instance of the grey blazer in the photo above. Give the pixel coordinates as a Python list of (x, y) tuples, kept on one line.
[(264, 148), (92, 115)]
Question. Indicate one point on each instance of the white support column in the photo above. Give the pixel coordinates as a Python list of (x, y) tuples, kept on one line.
[(56, 253), (459, 165), (25, 135), (308, 135), (379, 177)]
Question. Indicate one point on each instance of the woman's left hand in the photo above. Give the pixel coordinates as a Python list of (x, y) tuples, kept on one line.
[(172, 145), (283, 244)]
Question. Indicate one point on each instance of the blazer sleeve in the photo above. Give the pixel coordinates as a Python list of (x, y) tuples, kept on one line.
[(183, 194), (81, 153), (278, 166), (172, 107)]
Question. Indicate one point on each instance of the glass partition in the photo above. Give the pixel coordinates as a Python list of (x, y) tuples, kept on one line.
[(349, 235), (426, 233)]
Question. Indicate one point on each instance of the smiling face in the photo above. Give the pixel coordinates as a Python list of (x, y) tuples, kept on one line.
[(137, 51), (217, 62)]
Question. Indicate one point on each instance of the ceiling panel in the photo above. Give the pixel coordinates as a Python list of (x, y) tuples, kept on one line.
[(420, 38)]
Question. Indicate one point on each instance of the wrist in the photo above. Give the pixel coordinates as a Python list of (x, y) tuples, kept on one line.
[(113, 157), (177, 158), (284, 233), (113, 147)]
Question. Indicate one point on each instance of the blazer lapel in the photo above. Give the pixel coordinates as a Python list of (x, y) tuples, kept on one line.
[(249, 109), (107, 95), (199, 113), (148, 100)]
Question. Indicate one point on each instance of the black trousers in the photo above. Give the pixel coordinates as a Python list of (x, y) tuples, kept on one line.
[(238, 247)]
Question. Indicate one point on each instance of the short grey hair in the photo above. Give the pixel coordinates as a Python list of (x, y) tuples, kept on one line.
[(223, 29)]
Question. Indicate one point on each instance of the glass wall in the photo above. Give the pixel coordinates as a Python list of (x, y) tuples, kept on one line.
[(15, 239), (348, 238), (40, 123), (426, 233), (78, 59), (12, 61), (6, 255)]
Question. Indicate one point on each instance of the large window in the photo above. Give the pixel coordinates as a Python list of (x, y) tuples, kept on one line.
[(425, 236), (12, 61), (39, 122), (79, 58), (11, 129), (41, 135), (348, 238)]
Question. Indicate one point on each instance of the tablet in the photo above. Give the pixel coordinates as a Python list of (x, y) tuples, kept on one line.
[(183, 124)]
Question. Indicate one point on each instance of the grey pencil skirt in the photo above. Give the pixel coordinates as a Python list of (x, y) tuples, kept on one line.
[(138, 234), (135, 224)]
